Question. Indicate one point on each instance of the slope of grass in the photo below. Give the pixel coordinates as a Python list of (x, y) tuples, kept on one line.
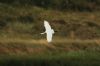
[(61, 52), (22, 45), (28, 21)]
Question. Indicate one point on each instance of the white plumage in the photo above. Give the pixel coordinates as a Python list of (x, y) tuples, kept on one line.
[(49, 32)]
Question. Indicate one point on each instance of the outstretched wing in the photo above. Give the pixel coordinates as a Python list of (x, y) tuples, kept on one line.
[(47, 26), (49, 37), (48, 31)]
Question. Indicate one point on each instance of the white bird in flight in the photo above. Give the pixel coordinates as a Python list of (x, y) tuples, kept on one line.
[(49, 32)]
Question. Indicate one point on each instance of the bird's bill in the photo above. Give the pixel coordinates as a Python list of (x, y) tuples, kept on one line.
[(42, 33)]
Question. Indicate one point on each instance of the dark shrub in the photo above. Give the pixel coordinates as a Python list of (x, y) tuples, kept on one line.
[(3, 24)]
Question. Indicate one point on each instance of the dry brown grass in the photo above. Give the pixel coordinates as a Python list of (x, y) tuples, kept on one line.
[(21, 46), (44, 41)]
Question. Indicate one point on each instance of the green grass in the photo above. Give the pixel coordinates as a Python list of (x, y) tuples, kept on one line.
[(76, 58)]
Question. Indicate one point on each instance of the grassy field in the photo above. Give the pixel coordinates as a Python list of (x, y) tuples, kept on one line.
[(61, 52), (25, 21), (76, 42)]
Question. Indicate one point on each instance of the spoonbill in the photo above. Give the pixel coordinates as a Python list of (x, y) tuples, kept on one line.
[(48, 30)]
